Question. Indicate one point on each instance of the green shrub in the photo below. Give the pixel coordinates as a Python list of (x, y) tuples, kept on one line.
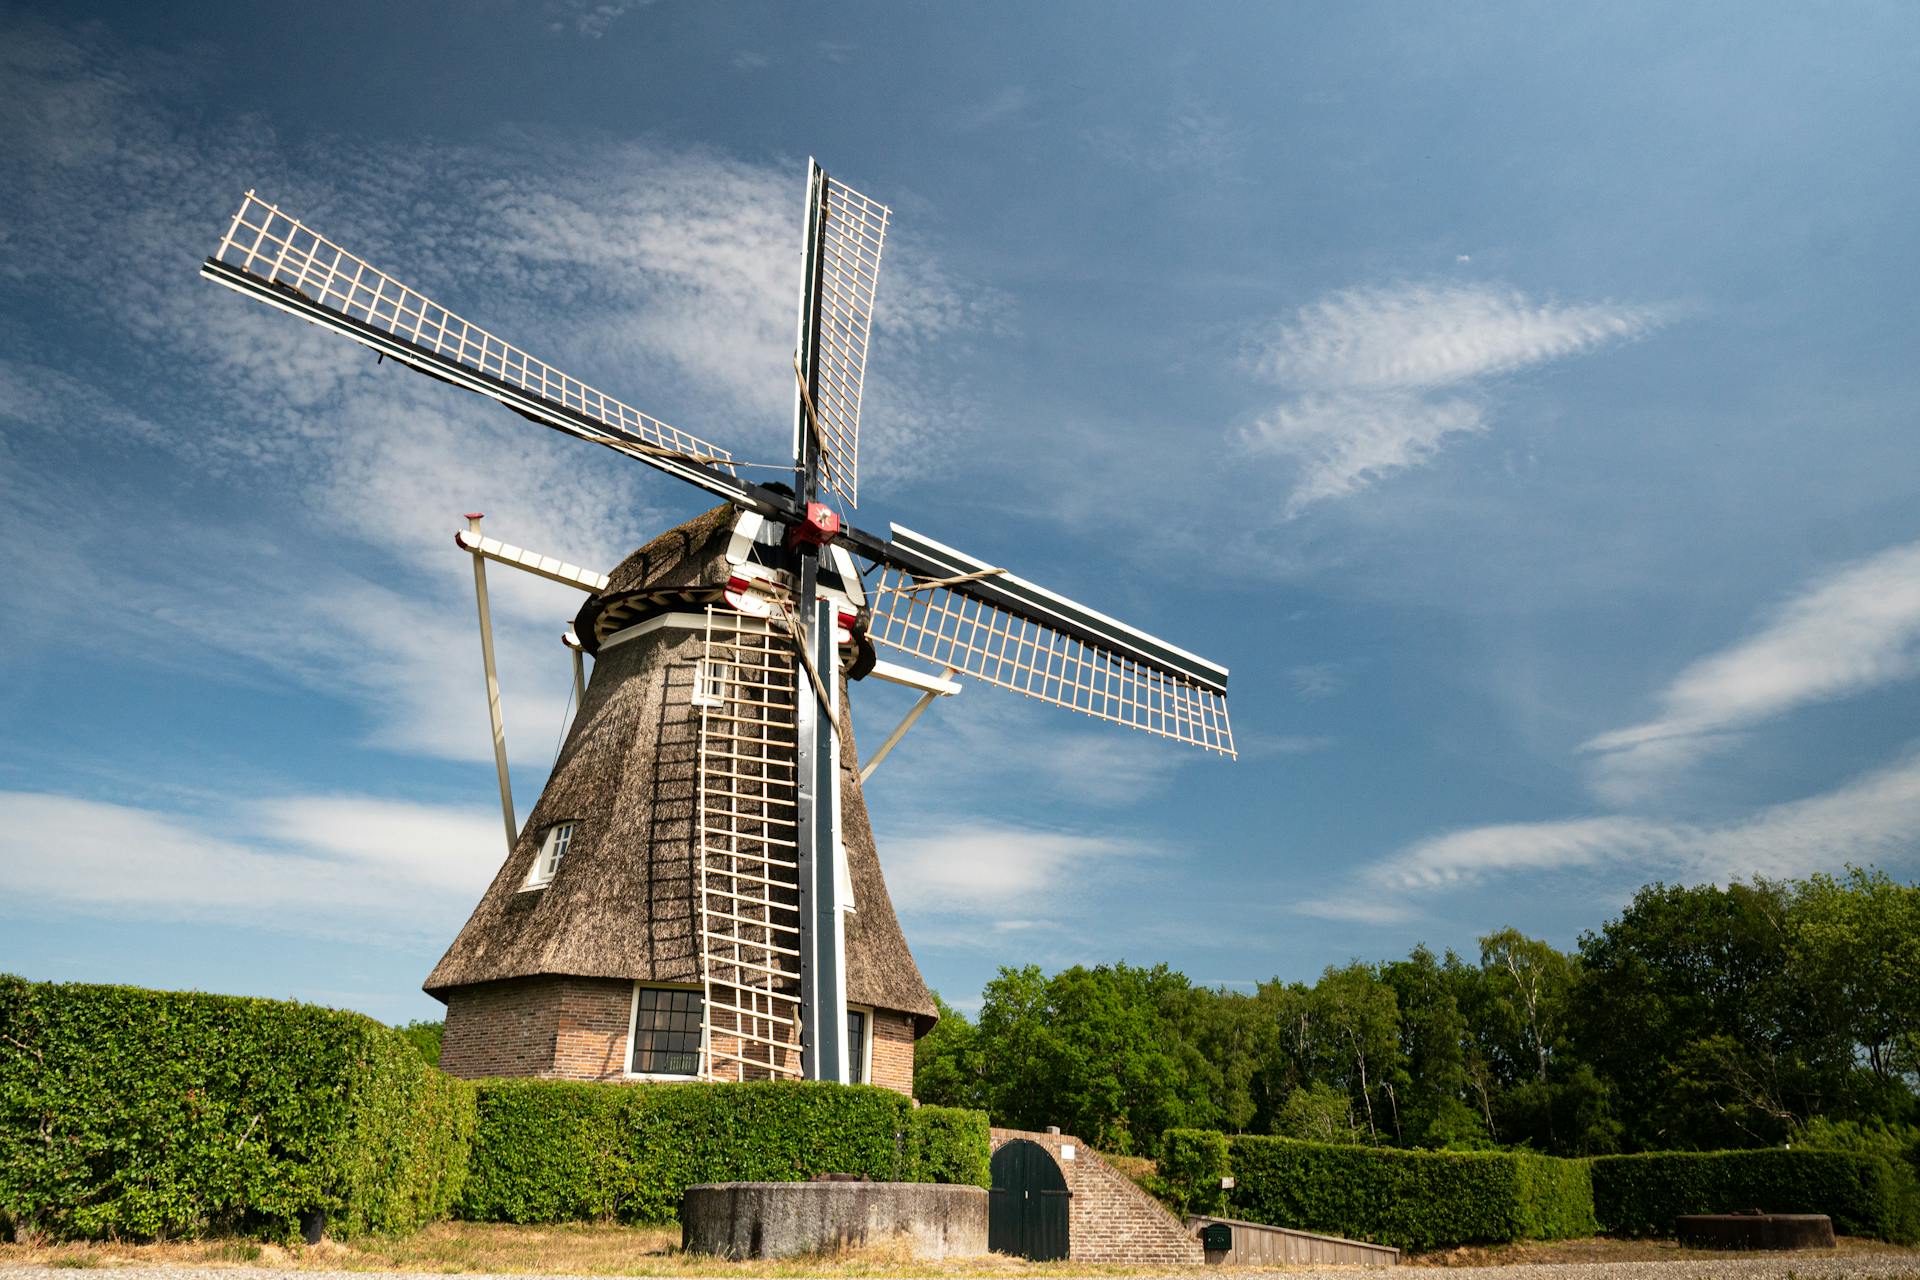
[(1188, 1172), (1556, 1197), (1411, 1199), (948, 1144), (154, 1114), (554, 1151), (1864, 1194)]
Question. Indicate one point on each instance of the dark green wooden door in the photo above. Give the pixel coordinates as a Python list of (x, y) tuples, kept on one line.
[(1027, 1208)]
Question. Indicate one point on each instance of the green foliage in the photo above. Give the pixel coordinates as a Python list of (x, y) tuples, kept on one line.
[(1411, 1199), (150, 1114), (1191, 1164), (1091, 1050), (425, 1038), (552, 1151), (946, 1061), (947, 1144), (1864, 1194), (1318, 1113), (1556, 1197)]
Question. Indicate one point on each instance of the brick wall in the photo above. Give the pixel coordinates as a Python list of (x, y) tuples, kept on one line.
[(553, 1028), (1109, 1218), (891, 1064), (576, 1029)]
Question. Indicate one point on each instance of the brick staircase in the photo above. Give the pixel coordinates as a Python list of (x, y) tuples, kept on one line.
[(1110, 1219)]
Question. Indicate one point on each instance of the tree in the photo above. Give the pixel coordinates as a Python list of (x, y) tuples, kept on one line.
[(1690, 1012), (1318, 1113), (1856, 944), (1090, 1050), (1359, 1041), (946, 1062)]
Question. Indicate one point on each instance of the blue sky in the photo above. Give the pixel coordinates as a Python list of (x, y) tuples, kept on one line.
[(1519, 401)]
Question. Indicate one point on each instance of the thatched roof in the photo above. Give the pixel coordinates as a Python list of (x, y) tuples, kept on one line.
[(624, 904)]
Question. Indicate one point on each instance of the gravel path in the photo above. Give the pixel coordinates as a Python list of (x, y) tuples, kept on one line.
[(1774, 1267)]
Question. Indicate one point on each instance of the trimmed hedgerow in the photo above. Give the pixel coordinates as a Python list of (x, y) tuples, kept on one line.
[(153, 1114), (1411, 1199), (948, 1144), (1865, 1195), (555, 1151), (1188, 1171)]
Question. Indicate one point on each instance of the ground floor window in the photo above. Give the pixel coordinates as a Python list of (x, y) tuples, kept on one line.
[(857, 1020), (665, 1039)]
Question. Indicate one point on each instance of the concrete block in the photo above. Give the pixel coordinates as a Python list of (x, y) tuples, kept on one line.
[(786, 1219)]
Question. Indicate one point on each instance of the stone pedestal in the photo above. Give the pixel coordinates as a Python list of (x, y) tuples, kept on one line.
[(1755, 1230), (785, 1219)]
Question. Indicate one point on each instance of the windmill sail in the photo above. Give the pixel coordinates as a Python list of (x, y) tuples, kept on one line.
[(952, 610), (846, 265), (278, 260), (749, 871)]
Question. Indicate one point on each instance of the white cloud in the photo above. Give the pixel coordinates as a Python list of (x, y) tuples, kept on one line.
[(321, 489), (1852, 630), (1420, 336), (1872, 819), (1383, 378), (1340, 444), (337, 865), (982, 869)]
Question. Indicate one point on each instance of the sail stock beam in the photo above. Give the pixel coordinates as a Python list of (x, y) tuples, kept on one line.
[(275, 259)]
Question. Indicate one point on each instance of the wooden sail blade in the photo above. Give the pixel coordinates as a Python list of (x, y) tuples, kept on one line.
[(852, 231), (278, 260), (949, 609), (749, 884)]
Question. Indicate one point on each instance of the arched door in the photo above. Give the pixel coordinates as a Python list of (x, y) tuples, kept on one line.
[(1027, 1208)]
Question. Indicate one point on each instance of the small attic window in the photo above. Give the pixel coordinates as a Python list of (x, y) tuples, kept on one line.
[(552, 849), (709, 683)]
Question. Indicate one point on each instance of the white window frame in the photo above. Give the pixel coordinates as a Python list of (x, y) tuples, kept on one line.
[(546, 863), (709, 683), (866, 1044), (633, 1030)]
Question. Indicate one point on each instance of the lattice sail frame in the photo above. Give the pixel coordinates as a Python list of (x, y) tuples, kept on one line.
[(852, 231), (271, 246), (747, 832), (953, 630)]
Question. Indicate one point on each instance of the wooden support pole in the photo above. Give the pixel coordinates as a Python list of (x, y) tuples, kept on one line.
[(579, 677), (900, 731), (493, 687)]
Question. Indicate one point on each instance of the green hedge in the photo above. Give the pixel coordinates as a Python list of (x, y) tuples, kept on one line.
[(1865, 1195), (149, 1114), (1188, 1171), (553, 1151), (1411, 1199)]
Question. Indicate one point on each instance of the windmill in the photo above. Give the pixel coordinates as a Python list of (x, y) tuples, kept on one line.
[(771, 613)]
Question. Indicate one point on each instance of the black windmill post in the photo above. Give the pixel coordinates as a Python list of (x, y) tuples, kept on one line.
[(796, 579)]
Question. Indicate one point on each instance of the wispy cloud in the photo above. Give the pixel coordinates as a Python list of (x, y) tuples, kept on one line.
[(987, 870), (1870, 819), (589, 18), (1318, 679), (1007, 103), (1383, 378), (667, 276), (331, 865), (1852, 630)]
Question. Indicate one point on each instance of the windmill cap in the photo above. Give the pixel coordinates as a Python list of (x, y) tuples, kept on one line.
[(476, 515)]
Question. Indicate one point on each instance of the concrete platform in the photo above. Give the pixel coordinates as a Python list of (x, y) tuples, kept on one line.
[(788, 1219)]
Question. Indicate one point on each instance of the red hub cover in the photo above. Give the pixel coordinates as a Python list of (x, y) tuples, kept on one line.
[(821, 526)]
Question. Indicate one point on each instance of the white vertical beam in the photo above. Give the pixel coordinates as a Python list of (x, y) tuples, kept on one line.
[(493, 687)]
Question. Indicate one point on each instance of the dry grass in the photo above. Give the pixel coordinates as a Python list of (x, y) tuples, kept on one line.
[(570, 1249), (1609, 1249), (577, 1249)]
